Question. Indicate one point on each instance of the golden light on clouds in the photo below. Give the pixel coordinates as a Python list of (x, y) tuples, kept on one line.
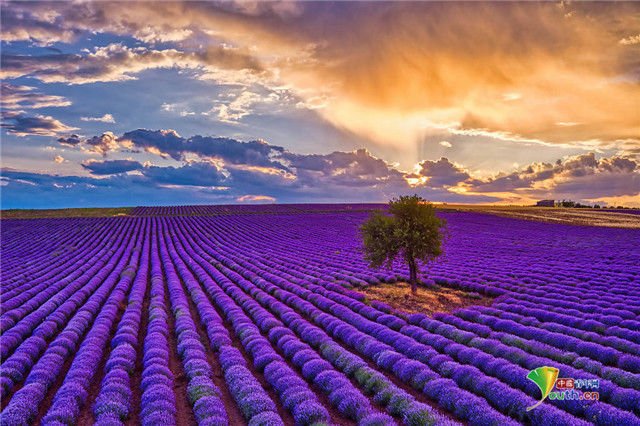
[(506, 68), (348, 94), (509, 68), (397, 70)]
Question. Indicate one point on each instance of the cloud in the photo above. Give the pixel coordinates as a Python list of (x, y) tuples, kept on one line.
[(180, 109), (169, 142), (116, 62), (37, 190), (254, 167), (44, 23), (618, 165), (350, 169), (153, 35), (257, 167), (236, 109), (442, 173), (578, 177), (530, 65), (445, 144), (436, 83), (111, 167), (107, 118), (631, 40), (27, 97), (71, 140), (529, 81), (160, 142), (20, 23), (203, 174), (194, 183), (58, 159), (20, 124), (235, 169), (256, 162), (103, 144), (15, 99), (255, 199)]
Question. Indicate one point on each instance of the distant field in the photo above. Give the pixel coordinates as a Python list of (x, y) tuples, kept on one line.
[(592, 217), (199, 210), (610, 218), (53, 213)]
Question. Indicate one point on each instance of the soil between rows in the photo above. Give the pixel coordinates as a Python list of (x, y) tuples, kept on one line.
[(287, 418), (136, 379), (428, 300), (184, 412), (230, 405), (419, 396)]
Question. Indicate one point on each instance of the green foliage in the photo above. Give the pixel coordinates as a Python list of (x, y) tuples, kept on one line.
[(380, 243), (418, 417), (412, 231)]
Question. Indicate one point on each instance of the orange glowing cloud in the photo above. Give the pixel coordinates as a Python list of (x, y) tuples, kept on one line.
[(506, 69), (548, 73)]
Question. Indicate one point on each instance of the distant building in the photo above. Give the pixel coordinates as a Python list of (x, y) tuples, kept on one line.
[(546, 203)]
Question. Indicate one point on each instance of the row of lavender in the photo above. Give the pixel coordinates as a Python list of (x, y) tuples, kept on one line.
[(234, 209), (268, 300), (607, 347)]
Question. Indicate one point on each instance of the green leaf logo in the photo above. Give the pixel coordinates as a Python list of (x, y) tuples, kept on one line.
[(545, 379)]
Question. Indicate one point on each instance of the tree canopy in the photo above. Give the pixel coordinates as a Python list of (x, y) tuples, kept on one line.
[(411, 231)]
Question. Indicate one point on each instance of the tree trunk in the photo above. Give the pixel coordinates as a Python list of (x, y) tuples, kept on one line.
[(413, 276)]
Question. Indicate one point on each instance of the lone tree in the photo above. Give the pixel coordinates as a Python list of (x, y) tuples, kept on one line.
[(413, 231)]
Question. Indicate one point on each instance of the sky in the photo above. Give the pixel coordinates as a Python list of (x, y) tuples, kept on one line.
[(169, 103)]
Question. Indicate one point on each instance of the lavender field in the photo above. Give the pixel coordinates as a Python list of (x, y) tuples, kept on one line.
[(216, 315)]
